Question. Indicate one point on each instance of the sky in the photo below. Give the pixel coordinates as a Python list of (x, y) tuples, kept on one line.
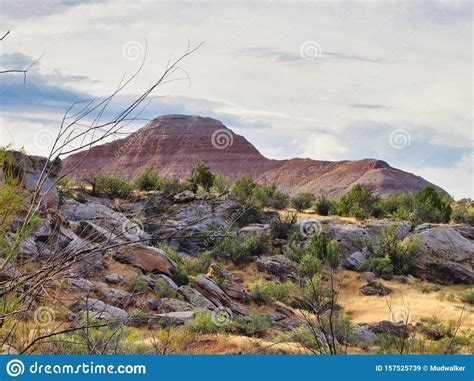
[(328, 80)]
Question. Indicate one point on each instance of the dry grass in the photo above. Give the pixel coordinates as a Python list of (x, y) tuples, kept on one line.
[(405, 297)]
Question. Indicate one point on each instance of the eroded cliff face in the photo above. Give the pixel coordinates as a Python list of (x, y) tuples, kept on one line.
[(171, 144)]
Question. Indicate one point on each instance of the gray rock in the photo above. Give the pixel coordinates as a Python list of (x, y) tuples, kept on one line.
[(115, 279), (254, 228), (173, 305), (97, 309), (355, 260), (374, 288), (212, 291), (114, 296), (82, 284), (364, 337), (278, 265), (196, 298), (169, 282), (184, 196), (445, 255), (351, 238), (179, 317)]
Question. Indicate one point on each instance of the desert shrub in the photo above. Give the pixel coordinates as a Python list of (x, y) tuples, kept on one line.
[(263, 292), (201, 176), (467, 296), (333, 254), (221, 184), (360, 202), (180, 277), (252, 214), (302, 201), (114, 186), (148, 180), (254, 324), (317, 246), (279, 200), (325, 206), (436, 330), (309, 266), (163, 290), (400, 253), (282, 226), (138, 284), (170, 187), (241, 250), (294, 250), (199, 265), (203, 323), (431, 206), (447, 294), (381, 267), (463, 214), (243, 188)]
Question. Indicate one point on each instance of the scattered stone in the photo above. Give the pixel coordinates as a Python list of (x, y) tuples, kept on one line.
[(97, 309), (355, 260), (173, 305), (147, 258), (278, 265), (82, 284), (115, 279), (365, 338), (385, 327), (374, 288), (152, 304), (185, 196), (196, 298)]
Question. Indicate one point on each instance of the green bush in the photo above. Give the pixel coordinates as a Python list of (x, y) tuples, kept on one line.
[(263, 292), (252, 214), (114, 186), (241, 250), (430, 206), (203, 323), (201, 176), (309, 266), (333, 254), (243, 188), (138, 284), (221, 184), (325, 206), (463, 214), (467, 296), (302, 201), (171, 187), (400, 253), (436, 330), (360, 202), (381, 267), (283, 225), (255, 324), (199, 265), (163, 290), (148, 180), (294, 250)]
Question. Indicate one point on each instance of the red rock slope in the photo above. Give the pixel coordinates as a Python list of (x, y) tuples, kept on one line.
[(172, 143)]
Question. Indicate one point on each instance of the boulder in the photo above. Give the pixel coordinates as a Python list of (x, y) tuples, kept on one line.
[(114, 296), (174, 305), (355, 260), (148, 259), (351, 238), (115, 279), (196, 298), (254, 228), (185, 196), (97, 309), (374, 288), (385, 327), (207, 287), (278, 265), (82, 284), (168, 281), (364, 337), (179, 317), (445, 255)]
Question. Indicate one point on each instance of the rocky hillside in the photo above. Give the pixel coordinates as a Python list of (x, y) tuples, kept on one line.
[(181, 273), (172, 143)]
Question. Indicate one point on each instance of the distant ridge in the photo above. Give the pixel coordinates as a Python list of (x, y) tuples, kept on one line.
[(171, 143)]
